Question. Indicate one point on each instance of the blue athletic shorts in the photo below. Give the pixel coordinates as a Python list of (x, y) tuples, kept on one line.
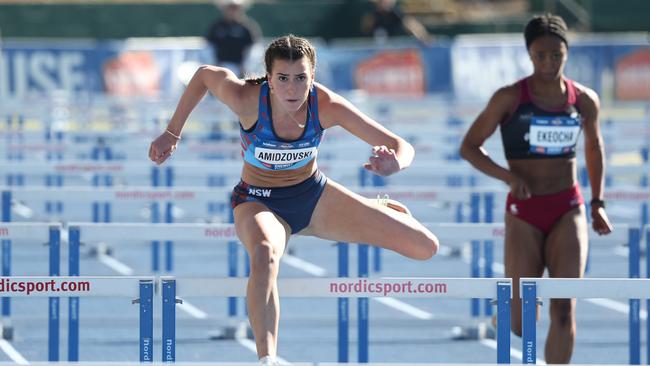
[(294, 204)]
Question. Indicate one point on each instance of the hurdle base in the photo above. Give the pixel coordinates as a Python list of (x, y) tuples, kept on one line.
[(241, 330), (481, 330), (7, 330), (99, 250)]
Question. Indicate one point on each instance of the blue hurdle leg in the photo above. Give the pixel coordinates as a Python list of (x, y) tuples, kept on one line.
[(503, 322), (343, 306), (363, 307), (529, 319), (169, 320)]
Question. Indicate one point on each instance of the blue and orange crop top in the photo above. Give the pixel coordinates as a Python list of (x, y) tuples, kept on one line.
[(531, 132), (264, 149)]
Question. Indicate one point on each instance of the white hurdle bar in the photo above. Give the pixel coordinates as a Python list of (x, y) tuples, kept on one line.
[(139, 289), (193, 198), (491, 232), (532, 289), (96, 232), (499, 289), (48, 233), (197, 171)]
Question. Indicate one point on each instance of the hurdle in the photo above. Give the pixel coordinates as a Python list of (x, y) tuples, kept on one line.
[(641, 172), (36, 232), (194, 172), (640, 196), (490, 232), (419, 194), (533, 289), (474, 232), (95, 232), (68, 286), (174, 289), (214, 200)]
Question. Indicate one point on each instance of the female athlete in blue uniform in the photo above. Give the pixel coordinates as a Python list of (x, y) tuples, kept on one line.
[(540, 118), (282, 118)]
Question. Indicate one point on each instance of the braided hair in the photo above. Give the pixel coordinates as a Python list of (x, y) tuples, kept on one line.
[(290, 48), (547, 24)]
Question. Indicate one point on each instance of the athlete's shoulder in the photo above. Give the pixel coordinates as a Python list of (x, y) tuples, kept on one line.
[(507, 95), (324, 94), (249, 99), (586, 98), (330, 105)]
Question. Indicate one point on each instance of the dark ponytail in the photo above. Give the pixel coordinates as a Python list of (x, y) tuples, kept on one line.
[(256, 80), (547, 24)]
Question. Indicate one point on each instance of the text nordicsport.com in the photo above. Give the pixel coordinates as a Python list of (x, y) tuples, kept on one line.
[(29, 287), (385, 288)]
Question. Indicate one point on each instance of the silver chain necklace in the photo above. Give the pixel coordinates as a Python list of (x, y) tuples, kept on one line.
[(301, 125)]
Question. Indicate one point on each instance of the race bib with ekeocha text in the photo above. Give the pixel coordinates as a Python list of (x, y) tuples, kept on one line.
[(553, 135)]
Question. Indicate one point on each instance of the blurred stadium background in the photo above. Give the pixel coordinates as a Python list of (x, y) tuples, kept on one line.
[(78, 46), (95, 80)]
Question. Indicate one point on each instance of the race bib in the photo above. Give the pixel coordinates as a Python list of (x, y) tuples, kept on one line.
[(284, 158), (553, 135)]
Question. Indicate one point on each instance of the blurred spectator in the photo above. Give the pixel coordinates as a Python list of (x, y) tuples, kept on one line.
[(387, 20), (232, 35)]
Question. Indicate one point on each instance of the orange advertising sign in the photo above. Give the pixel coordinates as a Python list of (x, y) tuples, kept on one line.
[(395, 72), (132, 73), (633, 76)]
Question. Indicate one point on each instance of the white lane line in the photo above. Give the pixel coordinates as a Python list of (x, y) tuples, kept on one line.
[(10, 351), (304, 266), (491, 343), (318, 271), (192, 310), (610, 304), (250, 345), (115, 265), (125, 270), (404, 307), (620, 307)]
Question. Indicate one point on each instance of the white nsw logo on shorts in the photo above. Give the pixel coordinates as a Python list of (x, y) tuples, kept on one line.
[(259, 192), (289, 156)]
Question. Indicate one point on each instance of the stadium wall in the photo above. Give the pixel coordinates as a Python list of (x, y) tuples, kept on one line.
[(469, 67)]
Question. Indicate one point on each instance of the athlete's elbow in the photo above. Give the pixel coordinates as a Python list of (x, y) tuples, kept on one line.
[(430, 247), (465, 150)]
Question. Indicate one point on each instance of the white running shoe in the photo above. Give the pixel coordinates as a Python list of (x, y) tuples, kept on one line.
[(395, 205), (269, 361)]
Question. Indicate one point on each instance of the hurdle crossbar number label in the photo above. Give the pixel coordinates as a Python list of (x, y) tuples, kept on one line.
[(591, 288), (460, 288), (19, 286)]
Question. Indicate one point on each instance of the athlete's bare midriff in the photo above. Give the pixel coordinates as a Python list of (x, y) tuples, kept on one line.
[(276, 178), (545, 176)]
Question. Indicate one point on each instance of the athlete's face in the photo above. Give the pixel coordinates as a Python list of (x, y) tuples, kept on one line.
[(549, 54), (290, 82)]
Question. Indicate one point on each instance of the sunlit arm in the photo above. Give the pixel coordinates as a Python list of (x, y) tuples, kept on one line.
[(594, 147), (218, 80), (392, 152)]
